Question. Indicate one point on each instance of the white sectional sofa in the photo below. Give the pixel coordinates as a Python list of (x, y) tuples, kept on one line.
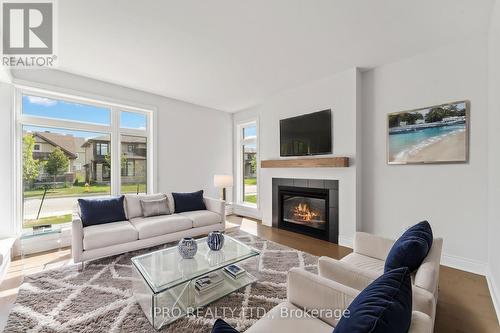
[(307, 291), (137, 232)]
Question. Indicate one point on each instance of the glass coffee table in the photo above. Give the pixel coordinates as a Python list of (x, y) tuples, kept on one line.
[(164, 285)]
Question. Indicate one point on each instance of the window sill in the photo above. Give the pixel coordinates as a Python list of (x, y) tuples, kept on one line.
[(246, 205), (247, 210)]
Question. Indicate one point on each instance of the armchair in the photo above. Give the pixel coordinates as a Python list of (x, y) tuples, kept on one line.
[(358, 269), (316, 304)]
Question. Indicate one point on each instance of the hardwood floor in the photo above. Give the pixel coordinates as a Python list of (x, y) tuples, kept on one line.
[(464, 303)]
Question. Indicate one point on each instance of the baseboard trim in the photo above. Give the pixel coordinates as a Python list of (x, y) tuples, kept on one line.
[(464, 264), (346, 241), (492, 286)]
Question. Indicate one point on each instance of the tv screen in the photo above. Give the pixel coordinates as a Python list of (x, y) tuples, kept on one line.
[(309, 134)]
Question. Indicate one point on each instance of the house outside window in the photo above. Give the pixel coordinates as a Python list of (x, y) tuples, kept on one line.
[(128, 169), (102, 149), (134, 154)]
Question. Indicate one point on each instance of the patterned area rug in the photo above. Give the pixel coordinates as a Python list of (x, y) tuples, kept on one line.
[(100, 299)]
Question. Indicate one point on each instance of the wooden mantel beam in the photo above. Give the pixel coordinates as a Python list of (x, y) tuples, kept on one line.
[(323, 162)]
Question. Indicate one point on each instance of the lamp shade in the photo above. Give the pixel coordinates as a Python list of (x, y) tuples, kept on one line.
[(223, 181)]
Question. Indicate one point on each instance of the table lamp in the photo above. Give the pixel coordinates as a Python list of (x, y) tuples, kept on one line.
[(223, 181)]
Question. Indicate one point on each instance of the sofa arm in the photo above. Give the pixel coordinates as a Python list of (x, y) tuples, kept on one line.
[(77, 238), (345, 273), (423, 301), (216, 206), (309, 291), (420, 323), (372, 245), (427, 276)]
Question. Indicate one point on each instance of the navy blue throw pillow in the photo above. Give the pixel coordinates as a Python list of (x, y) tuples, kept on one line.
[(411, 248), (383, 307), (221, 326), (100, 211), (187, 202)]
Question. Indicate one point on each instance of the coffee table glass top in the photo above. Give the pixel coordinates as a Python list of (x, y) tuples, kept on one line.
[(164, 269)]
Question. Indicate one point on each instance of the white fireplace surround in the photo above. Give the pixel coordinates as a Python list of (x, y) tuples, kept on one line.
[(339, 93)]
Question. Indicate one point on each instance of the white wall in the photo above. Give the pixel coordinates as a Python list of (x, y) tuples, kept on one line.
[(452, 197), (494, 156), (194, 142), (337, 93), (6, 167)]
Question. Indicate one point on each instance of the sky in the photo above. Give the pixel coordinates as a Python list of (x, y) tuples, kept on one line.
[(250, 131), (58, 109)]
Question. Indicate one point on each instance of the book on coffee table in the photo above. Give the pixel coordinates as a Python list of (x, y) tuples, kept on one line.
[(208, 282), (234, 271)]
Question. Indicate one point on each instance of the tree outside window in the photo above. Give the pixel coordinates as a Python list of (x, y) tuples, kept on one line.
[(57, 163), (31, 167)]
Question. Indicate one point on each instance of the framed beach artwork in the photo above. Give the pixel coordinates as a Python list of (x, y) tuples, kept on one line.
[(436, 134)]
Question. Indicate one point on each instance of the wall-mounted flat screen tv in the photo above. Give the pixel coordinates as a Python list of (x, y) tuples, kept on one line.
[(309, 134)]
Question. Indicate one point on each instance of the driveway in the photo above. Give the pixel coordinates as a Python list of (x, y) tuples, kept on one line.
[(250, 189), (51, 206)]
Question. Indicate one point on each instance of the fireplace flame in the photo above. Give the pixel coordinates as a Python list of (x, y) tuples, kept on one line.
[(304, 213)]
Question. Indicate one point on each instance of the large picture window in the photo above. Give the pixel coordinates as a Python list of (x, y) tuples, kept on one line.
[(247, 183), (72, 149)]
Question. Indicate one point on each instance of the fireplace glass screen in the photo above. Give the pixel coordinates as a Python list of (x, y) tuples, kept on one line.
[(306, 211)]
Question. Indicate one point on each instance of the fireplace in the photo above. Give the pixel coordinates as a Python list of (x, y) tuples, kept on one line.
[(304, 210), (306, 206)]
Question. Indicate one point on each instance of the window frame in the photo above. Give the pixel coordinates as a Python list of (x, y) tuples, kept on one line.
[(113, 129), (241, 142)]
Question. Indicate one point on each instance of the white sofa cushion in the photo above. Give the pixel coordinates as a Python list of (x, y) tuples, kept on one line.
[(364, 262), (285, 317), (160, 225), (133, 203), (107, 234), (202, 218)]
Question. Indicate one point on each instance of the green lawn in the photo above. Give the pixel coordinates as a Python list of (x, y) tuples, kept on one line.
[(48, 220), (80, 190), (252, 198), (132, 188), (73, 191), (250, 181)]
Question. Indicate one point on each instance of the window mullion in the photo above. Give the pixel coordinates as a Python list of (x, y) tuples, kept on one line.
[(59, 123), (151, 186), (115, 152)]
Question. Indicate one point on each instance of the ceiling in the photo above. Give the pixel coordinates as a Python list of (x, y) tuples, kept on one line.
[(230, 54)]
